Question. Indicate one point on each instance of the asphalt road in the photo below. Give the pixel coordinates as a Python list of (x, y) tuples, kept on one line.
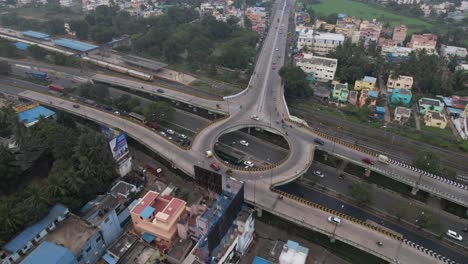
[(343, 207)]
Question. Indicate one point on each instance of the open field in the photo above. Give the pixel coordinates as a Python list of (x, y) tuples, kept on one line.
[(366, 11), (44, 14)]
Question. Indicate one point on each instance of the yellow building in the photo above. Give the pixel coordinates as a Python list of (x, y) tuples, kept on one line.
[(366, 83), (435, 119)]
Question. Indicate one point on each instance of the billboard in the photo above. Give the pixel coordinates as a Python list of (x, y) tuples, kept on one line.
[(208, 179), (119, 147)]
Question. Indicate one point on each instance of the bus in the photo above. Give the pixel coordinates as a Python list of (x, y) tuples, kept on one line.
[(137, 117)]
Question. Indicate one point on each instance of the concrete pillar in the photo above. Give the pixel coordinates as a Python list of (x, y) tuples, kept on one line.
[(367, 172), (332, 239), (259, 212), (414, 191), (248, 130), (325, 156)]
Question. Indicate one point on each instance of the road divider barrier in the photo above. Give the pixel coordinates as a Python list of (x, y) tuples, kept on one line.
[(428, 251)]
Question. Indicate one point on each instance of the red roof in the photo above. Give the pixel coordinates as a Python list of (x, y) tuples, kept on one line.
[(148, 199), (173, 206)]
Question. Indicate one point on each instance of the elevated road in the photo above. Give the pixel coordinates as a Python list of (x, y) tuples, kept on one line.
[(264, 98)]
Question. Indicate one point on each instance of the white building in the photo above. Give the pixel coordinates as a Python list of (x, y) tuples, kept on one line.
[(67, 3), (395, 51), (446, 51), (89, 5), (323, 68), (406, 2), (318, 42), (293, 253)]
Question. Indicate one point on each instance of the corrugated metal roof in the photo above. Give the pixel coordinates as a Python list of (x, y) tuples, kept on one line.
[(259, 260), (21, 46), (34, 114), (35, 34), (29, 233), (49, 253), (75, 45)]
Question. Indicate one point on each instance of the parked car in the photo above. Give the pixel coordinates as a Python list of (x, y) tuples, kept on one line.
[(183, 136), (170, 131), (368, 161), (244, 143), (319, 141), (334, 220), (255, 117), (273, 66), (454, 235), (162, 133), (76, 106), (160, 91), (215, 166), (319, 174)]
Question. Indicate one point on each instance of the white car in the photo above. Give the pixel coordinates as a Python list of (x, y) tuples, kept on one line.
[(454, 235), (244, 143), (334, 220), (248, 164), (162, 133), (255, 117), (183, 136), (170, 131), (277, 49), (319, 174)]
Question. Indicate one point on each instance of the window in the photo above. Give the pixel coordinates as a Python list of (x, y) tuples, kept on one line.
[(98, 239), (88, 249)]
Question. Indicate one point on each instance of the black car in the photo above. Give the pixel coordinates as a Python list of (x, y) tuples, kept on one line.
[(160, 91), (319, 141)]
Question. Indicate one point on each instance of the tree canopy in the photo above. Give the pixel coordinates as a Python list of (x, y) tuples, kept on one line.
[(295, 82)]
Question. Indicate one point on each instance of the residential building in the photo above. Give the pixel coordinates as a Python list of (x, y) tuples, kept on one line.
[(370, 31), (50, 253), (401, 96), (323, 68), (379, 111), (347, 25), (368, 95), (399, 33), (386, 42), (353, 97), (102, 213), (405, 2), (459, 102), (462, 67), (340, 92), (320, 24), (435, 119), (89, 5), (429, 104), (293, 253), (67, 3), (395, 53), (141, 253), (318, 42), (122, 190), (155, 215), (424, 41), (404, 82), (454, 51), (118, 249), (402, 114), (76, 237), (19, 246), (366, 83), (461, 124)]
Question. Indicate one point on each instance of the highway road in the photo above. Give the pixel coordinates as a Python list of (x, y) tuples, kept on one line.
[(265, 99)]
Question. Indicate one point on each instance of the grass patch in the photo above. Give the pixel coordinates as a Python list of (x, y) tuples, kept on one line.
[(343, 250), (45, 14), (368, 12)]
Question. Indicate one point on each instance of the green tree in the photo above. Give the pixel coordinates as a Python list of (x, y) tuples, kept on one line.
[(360, 193), (158, 111), (427, 161), (199, 50), (102, 34), (81, 28), (295, 82), (55, 26), (37, 52), (9, 171)]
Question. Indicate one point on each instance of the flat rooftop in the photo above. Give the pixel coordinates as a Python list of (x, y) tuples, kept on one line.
[(402, 111), (97, 210), (72, 233), (35, 34), (429, 101), (437, 115), (139, 253), (180, 249), (122, 245), (143, 62), (74, 44), (154, 205), (35, 114), (328, 62), (122, 188)]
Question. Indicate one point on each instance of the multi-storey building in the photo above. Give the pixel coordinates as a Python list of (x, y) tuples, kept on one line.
[(402, 81), (399, 33), (424, 41), (366, 83), (401, 97), (347, 25), (318, 42), (447, 51), (430, 104), (370, 31), (395, 53), (435, 119), (89, 5), (323, 69), (340, 92), (156, 215)]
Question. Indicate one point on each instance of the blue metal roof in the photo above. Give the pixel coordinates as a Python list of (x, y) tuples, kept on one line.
[(298, 248), (34, 114), (21, 45), (29, 233), (374, 94), (369, 79), (148, 237), (259, 260), (380, 109), (75, 45), (147, 212), (35, 34), (50, 253), (109, 259)]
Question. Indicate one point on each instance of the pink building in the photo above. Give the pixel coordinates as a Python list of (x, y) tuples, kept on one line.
[(158, 215), (370, 31), (424, 41), (399, 33)]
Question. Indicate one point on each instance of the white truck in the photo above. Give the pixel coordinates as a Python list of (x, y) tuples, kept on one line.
[(384, 159), (209, 154)]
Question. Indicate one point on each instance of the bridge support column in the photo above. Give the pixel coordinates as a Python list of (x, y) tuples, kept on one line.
[(259, 212), (414, 191), (325, 156), (332, 239), (367, 172), (248, 130)]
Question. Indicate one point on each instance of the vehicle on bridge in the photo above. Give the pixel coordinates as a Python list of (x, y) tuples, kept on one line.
[(368, 161), (137, 117), (215, 166), (334, 220), (384, 159), (57, 88), (454, 235), (319, 141)]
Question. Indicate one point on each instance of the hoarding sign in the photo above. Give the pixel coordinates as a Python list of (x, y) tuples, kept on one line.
[(119, 146)]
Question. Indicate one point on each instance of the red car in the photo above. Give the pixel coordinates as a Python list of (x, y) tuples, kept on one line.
[(215, 166), (273, 66), (368, 161)]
